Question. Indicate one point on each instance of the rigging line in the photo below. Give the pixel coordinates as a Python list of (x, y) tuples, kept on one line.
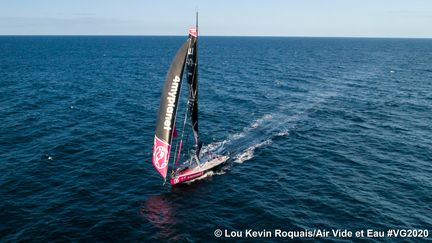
[(187, 131), (187, 144), (184, 125), (182, 133), (192, 110)]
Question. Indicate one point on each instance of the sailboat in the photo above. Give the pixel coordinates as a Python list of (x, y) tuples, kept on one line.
[(166, 134)]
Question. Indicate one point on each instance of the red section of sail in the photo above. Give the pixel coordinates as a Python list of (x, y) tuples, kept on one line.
[(161, 151), (193, 32), (175, 132)]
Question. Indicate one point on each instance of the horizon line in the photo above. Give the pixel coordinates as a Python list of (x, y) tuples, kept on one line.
[(261, 36)]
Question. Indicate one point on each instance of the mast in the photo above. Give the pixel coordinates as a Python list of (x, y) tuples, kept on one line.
[(192, 77), (196, 23)]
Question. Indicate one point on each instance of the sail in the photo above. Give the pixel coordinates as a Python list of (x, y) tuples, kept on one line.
[(165, 125), (192, 78)]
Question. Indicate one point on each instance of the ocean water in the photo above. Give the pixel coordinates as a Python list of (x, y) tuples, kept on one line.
[(322, 133)]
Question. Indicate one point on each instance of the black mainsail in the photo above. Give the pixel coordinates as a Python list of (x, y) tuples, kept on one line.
[(165, 125), (166, 132)]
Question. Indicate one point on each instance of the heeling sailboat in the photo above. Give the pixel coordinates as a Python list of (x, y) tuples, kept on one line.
[(198, 164)]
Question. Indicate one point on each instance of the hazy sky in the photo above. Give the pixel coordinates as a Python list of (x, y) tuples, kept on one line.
[(371, 18)]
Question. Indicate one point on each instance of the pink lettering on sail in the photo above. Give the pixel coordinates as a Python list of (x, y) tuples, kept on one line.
[(161, 151)]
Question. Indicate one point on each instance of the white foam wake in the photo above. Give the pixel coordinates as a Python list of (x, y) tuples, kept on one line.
[(254, 125), (249, 152), (241, 146)]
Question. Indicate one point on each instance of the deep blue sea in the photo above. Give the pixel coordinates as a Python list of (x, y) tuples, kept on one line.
[(322, 133)]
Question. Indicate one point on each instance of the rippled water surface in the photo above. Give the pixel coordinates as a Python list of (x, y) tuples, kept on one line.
[(321, 133)]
